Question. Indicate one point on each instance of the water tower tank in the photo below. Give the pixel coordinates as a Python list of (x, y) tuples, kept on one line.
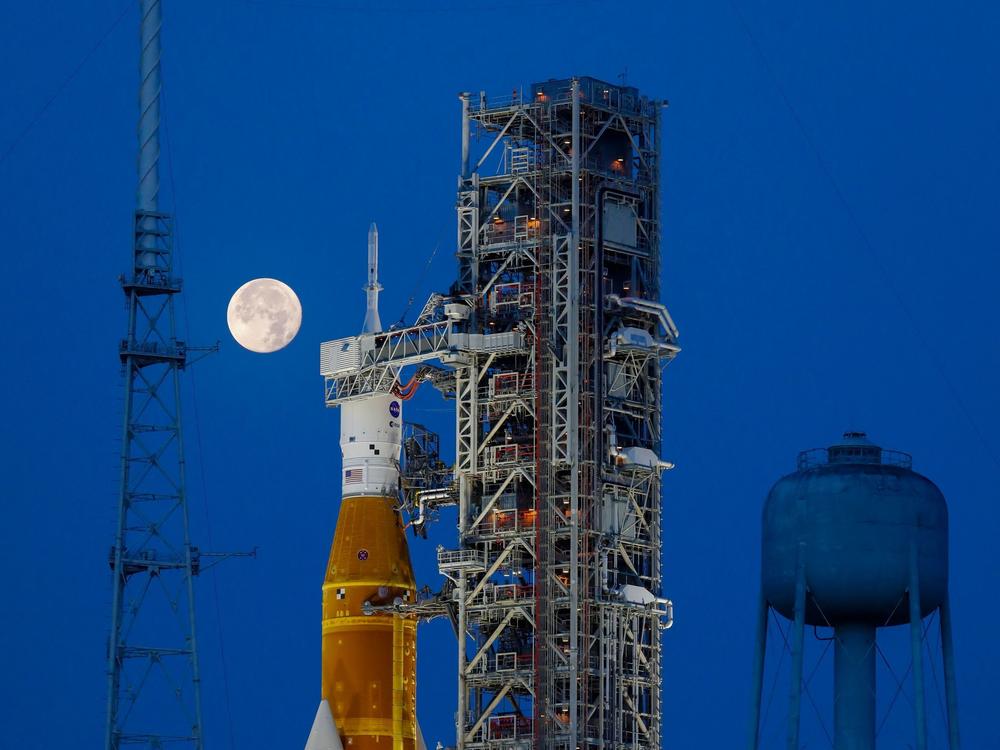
[(854, 540), (853, 516)]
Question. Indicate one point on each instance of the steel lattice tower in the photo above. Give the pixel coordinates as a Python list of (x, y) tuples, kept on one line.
[(554, 342), (152, 661), (559, 486)]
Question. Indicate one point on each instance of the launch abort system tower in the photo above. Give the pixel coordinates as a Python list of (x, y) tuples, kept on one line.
[(554, 340)]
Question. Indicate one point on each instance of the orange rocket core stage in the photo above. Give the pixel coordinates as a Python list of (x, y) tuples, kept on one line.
[(370, 661)]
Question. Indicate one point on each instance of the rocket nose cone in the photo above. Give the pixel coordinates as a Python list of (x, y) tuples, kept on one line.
[(324, 735)]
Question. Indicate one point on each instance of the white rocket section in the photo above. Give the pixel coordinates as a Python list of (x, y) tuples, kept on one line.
[(323, 735), (371, 438), (372, 288), (371, 430)]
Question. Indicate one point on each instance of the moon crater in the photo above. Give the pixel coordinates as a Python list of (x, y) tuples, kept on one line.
[(264, 315)]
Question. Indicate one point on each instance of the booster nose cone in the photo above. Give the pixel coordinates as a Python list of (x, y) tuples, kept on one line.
[(323, 735)]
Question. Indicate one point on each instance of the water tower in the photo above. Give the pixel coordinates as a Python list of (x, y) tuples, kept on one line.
[(855, 540)]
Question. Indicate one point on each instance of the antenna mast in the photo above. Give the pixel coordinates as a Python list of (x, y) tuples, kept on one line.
[(152, 660)]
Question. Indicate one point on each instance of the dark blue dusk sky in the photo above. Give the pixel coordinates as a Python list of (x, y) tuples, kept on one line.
[(294, 123)]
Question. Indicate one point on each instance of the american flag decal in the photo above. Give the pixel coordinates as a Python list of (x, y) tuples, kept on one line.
[(354, 476)]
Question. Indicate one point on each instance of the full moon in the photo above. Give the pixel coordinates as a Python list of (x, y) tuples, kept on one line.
[(264, 315)]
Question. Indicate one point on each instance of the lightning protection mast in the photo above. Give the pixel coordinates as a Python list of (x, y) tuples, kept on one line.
[(152, 659)]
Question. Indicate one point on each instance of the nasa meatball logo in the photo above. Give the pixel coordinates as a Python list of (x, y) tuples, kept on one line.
[(362, 554), (394, 408)]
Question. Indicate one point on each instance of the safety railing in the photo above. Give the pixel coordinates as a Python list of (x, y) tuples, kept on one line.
[(507, 522), (509, 727), (460, 559), (847, 454)]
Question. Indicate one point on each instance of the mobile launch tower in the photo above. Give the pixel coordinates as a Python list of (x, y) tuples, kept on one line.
[(552, 343)]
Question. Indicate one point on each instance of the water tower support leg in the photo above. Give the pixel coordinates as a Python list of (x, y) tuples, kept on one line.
[(948, 657), (795, 698), (758, 674), (916, 645), (854, 686)]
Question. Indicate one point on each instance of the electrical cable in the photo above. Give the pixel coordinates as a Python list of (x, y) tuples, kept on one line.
[(414, 9), (777, 670), (931, 661), (812, 701), (422, 276), (197, 426), (866, 243), (803, 685), (899, 681), (898, 691), (65, 84)]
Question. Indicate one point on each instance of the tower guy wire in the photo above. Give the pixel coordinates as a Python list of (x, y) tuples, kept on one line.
[(410, 9), (862, 234), (201, 449), (422, 276), (64, 85)]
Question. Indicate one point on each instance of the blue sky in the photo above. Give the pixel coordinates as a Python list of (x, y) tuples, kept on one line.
[(293, 124)]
